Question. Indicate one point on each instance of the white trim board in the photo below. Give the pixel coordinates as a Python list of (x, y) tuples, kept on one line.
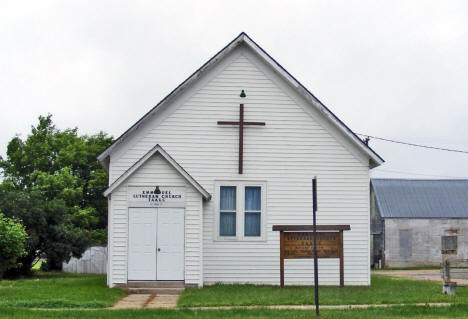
[(170, 160)]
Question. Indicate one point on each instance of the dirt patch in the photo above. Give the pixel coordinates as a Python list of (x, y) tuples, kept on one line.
[(132, 301), (150, 299)]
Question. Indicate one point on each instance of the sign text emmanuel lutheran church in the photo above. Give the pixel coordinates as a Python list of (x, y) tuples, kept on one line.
[(156, 196)]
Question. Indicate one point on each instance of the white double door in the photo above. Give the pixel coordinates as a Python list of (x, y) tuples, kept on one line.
[(156, 244)]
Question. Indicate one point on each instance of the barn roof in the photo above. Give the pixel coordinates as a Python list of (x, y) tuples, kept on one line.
[(421, 198), (243, 38)]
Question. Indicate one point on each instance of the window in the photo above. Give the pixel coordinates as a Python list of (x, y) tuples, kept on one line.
[(240, 210), (252, 217), (449, 245), (227, 218)]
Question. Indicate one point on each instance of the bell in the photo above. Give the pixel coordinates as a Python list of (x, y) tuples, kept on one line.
[(243, 94)]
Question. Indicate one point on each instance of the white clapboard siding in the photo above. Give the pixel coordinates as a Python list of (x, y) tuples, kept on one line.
[(296, 144), (156, 171), (93, 261)]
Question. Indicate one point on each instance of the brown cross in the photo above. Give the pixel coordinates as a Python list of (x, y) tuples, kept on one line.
[(241, 124)]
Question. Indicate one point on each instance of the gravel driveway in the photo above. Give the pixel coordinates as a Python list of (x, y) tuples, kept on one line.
[(423, 274)]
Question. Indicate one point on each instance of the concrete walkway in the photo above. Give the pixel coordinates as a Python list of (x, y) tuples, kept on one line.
[(312, 307), (141, 305), (422, 274), (140, 301)]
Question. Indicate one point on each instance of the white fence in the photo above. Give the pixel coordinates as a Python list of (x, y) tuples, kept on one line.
[(93, 261)]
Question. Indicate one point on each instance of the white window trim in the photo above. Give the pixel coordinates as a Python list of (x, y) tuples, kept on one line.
[(240, 211)]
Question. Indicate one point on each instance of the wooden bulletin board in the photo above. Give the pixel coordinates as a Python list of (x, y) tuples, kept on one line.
[(297, 242)]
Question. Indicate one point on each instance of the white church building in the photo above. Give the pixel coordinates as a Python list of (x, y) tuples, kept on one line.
[(196, 185)]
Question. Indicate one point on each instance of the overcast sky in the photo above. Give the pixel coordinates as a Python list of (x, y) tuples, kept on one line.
[(395, 69)]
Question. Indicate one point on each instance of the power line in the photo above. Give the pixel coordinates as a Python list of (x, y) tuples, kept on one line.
[(413, 144), (410, 173)]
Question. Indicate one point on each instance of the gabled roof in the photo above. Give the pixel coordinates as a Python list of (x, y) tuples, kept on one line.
[(243, 38), (421, 198), (170, 160)]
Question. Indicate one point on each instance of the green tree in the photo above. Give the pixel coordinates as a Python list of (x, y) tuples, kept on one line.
[(12, 240), (53, 183)]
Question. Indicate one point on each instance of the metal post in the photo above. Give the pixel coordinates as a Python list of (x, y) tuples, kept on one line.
[(314, 210), (281, 259)]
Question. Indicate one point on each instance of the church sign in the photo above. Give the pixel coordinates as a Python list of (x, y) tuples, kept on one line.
[(297, 242), (301, 245), (156, 196)]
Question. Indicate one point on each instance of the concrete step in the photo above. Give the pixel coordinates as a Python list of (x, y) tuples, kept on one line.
[(155, 284), (156, 291)]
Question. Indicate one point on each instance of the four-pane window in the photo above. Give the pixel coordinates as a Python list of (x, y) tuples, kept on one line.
[(240, 210)]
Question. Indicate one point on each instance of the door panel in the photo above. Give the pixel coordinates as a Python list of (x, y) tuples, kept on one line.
[(170, 259), (142, 243)]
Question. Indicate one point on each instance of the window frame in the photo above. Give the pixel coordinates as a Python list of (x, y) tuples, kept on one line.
[(444, 239), (240, 211), (227, 211), (245, 211)]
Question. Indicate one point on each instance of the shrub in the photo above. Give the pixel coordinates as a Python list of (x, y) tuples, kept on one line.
[(12, 239)]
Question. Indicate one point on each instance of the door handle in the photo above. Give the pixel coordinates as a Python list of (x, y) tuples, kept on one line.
[(159, 249)]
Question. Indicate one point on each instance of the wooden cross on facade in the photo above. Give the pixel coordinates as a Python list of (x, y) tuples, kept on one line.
[(241, 124)]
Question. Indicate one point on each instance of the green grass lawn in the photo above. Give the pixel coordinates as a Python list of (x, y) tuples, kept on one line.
[(457, 311), (58, 290), (83, 292), (384, 290)]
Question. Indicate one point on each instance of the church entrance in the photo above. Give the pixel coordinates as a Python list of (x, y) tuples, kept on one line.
[(156, 244)]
